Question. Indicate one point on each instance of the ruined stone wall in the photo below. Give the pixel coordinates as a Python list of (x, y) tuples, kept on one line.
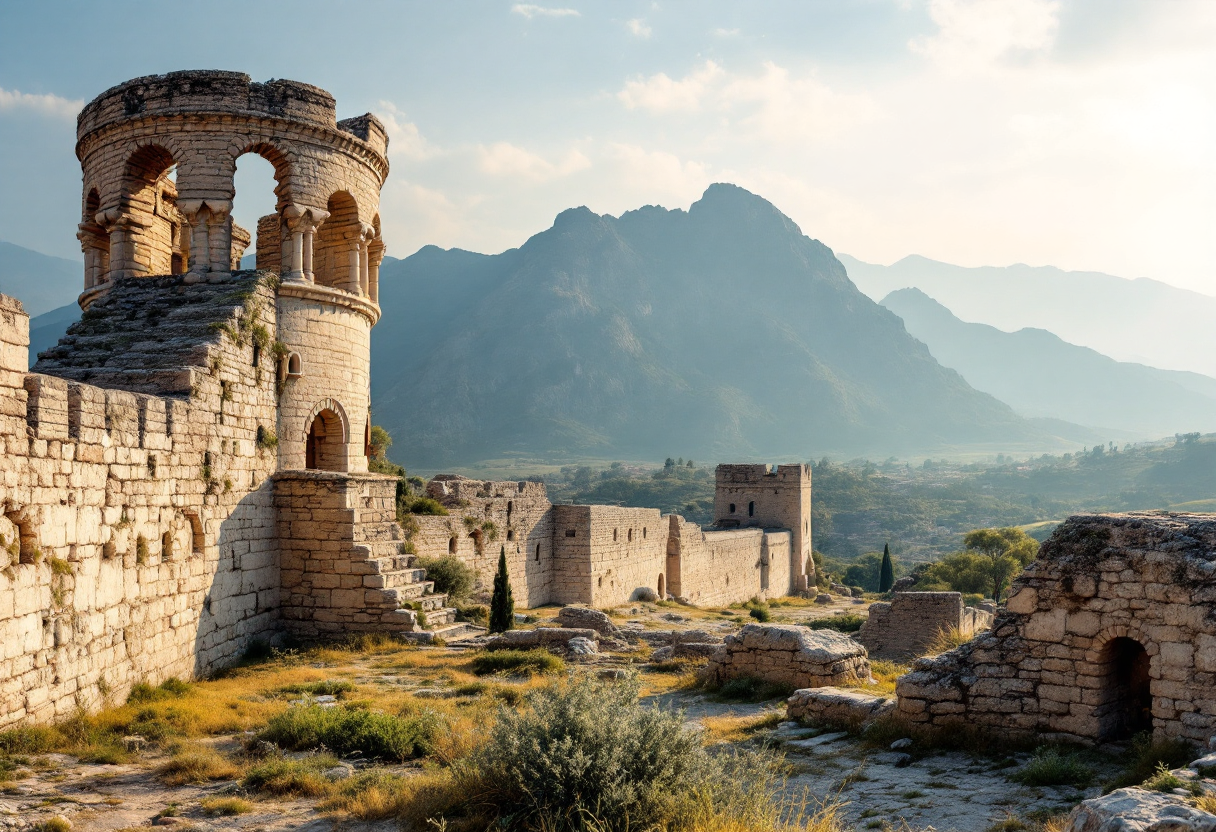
[(716, 567), (486, 519), (139, 530), (604, 554), (907, 624), (1110, 631), (774, 497)]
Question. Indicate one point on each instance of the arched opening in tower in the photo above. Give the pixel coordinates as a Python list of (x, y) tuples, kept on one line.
[(337, 249), (1127, 699), (153, 232), (325, 447), (259, 186)]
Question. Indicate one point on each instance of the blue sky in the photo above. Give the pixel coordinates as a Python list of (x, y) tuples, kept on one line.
[(1079, 134)]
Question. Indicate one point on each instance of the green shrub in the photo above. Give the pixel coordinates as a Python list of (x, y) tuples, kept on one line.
[(450, 574), (1144, 757), (848, 623), (761, 613), (1164, 780), (29, 739), (329, 687), (518, 661), (502, 602), (350, 730), (281, 776), (225, 806), (143, 693), (1048, 767), (587, 755), (478, 614), (426, 505)]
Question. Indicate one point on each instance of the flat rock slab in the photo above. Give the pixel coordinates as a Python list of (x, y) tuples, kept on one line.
[(816, 742), (838, 706), (1137, 810), (540, 637)]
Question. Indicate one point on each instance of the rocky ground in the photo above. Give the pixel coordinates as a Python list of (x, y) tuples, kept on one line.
[(878, 788)]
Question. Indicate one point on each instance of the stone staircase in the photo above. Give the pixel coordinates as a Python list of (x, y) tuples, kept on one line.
[(396, 591)]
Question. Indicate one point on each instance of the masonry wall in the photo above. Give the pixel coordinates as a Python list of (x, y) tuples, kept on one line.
[(604, 554), (139, 530), (486, 519), (1109, 597), (723, 567), (905, 626)]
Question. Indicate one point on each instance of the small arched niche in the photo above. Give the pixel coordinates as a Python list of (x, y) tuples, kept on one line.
[(1127, 699)]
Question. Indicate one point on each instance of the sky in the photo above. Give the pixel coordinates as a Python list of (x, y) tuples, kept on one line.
[(977, 132)]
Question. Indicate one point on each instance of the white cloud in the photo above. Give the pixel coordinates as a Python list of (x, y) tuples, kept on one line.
[(405, 139), (773, 105), (530, 11), (660, 94), (638, 28), (506, 159), (659, 174), (726, 33), (48, 105), (981, 31)]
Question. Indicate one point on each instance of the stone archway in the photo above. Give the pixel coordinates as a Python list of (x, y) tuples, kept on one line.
[(1122, 663), (325, 444)]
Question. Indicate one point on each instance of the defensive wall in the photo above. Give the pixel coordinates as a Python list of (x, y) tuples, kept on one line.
[(606, 555), (906, 625)]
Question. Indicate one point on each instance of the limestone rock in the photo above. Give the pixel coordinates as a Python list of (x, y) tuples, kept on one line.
[(1137, 810), (580, 646), (585, 618), (792, 655), (837, 706), (540, 637), (823, 598)]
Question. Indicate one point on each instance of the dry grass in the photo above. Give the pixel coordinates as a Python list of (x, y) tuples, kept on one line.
[(197, 764), (1206, 803), (225, 806), (947, 639), (885, 673), (736, 728)]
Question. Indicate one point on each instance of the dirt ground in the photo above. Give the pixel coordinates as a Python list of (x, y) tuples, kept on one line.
[(945, 791)]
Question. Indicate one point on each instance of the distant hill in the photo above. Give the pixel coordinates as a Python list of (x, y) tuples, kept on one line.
[(39, 281), (47, 328), (1140, 320), (720, 332), (1039, 374)]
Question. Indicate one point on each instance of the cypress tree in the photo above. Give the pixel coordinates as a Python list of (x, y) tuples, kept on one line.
[(502, 605), (886, 577)]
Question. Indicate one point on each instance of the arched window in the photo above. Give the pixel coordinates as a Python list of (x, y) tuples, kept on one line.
[(149, 199), (166, 545), (452, 546), (751, 509), (1127, 699), (258, 190), (325, 446)]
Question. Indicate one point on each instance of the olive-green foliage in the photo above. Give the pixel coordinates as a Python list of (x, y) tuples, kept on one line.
[(517, 661), (329, 687), (478, 614), (886, 576), (426, 505), (143, 693), (1144, 757), (587, 755), (281, 776), (450, 574), (349, 730), (847, 623), (502, 603), (1051, 767), (993, 557), (761, 613), (1164, 780)]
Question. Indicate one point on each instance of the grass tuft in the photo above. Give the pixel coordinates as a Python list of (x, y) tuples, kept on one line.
[(225, 806), (1145, 757), (850, 622), (197, 764), (537, 661), (351, 730), (283, 777), (1050, 767)]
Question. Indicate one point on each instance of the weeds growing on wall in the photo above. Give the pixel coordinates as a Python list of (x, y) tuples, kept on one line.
[(848, 623)]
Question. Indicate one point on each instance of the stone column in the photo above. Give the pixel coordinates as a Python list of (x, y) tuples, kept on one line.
[(375, 254), (353, 282), (93, 240), (194, 230), (219, 235), (302, 223)]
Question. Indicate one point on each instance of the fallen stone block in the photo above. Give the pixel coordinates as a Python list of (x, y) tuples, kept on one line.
[(837, 706), (791, 655), (540, 637), (585, 618)]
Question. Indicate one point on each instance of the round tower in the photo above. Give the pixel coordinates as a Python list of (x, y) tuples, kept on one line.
[(159, 155)]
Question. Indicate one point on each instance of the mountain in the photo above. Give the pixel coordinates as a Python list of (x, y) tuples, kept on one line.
[(1140, 320), (39, 281), (1040, 374), (717, 332), (46, 329)]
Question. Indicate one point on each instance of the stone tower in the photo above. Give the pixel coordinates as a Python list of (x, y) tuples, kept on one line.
[(769, 496), (159, 154)]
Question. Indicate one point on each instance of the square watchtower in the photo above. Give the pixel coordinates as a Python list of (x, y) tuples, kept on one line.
[(770, 497)]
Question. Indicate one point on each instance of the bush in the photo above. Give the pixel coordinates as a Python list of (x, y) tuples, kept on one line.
[(478, 614), (225, 806), (848, 623), (282, 777), (1048, 767), (518, 661), (197, 765), (143, 693), (351, 730), (1144, 757), (587, 755), (761, 613), (327, 688), (450, 574), (426, 505)]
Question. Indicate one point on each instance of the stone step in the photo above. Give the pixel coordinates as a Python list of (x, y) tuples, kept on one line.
[(433, 602), (440, 617), (398, 580), (450, 633)]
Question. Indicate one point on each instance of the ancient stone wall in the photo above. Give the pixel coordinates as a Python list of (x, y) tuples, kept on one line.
[(719, 567), (906, 625), (789, 655), (138, 530), (486, 519), (774, 497), (1112, 630), (603, 555)]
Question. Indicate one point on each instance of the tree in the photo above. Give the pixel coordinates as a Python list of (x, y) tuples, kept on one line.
[(1007, 550), (886, 578), (502, 605)]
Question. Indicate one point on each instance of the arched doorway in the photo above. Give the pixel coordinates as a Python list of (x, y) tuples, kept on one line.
[(325, 446), (1127, 699)]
